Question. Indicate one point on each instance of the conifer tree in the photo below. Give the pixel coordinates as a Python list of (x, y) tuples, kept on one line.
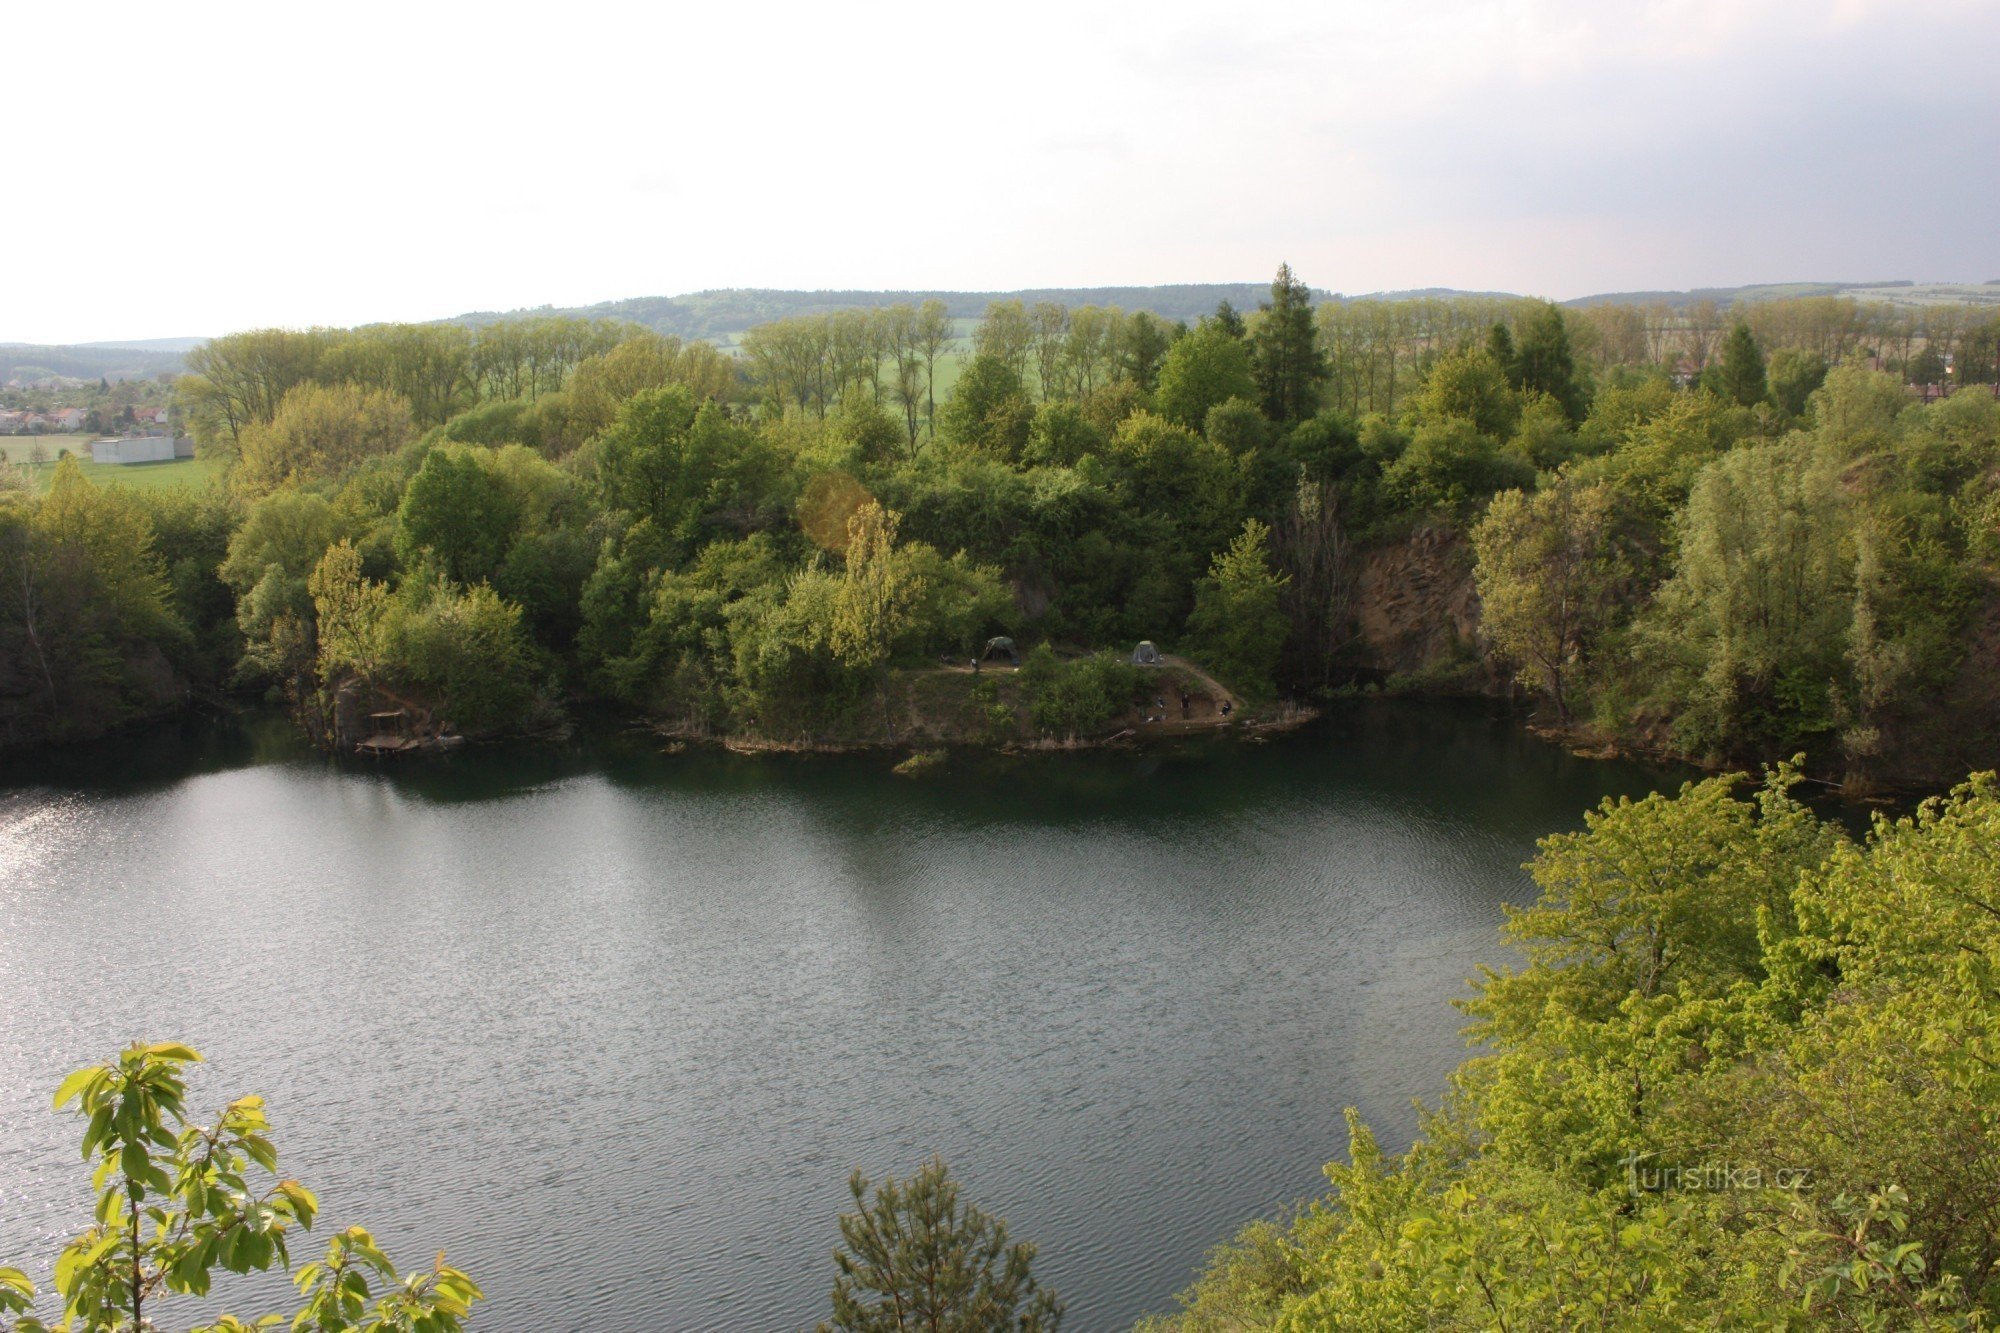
[(1741, 377), (1544, 362), (1290, 367), (915, 1257)]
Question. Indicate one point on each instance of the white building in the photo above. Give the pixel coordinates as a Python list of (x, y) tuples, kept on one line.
[(134, 449)]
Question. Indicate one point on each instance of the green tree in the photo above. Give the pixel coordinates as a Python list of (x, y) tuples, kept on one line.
[(1544, 362), (1795, 376), (458, 510), (1468, 386), (1238, 622), (179, 1201), (1749, 635), (1285, 352), (988, 409), (916, 1258), (320, 432), (1740, 376), (1549, 574), (1206, 368), (1144, 348)]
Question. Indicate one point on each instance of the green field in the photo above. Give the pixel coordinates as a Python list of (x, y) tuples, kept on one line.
[(141, 476)]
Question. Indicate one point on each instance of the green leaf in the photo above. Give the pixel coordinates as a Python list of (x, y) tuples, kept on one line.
[(74, 1085)]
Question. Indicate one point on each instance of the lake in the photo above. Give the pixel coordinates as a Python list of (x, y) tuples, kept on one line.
[(613, 1026)]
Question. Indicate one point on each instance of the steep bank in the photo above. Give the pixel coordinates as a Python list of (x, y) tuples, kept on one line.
[(1416, 616)]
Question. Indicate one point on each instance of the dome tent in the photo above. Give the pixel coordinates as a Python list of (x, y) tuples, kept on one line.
[(1146, 654)]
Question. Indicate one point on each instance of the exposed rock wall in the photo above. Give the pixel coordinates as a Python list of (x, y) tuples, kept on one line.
[(1416, 613)]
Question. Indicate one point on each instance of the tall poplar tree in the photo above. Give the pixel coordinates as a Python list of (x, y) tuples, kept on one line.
[(1289, 364)]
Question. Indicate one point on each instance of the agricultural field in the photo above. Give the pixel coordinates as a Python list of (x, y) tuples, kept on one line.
[(25, 450)]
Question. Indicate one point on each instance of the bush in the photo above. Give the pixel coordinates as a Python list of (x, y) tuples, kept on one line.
[(1075, 698)]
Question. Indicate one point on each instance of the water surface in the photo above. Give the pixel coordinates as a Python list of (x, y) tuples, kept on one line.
[(612, 1027)]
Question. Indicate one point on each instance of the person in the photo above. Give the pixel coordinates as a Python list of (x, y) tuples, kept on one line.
[(975, 666), (1185, 701), (1228, 707)]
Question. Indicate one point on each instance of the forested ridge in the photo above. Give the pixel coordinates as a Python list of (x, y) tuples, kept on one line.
[(1726, 534)]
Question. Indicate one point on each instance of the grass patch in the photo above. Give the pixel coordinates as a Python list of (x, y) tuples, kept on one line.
[(21, 449)]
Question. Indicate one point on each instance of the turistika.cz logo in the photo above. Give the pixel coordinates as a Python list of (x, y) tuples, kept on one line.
[(1643, 1176)]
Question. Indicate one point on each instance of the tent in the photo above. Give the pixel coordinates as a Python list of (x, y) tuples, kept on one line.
[(1146, 654), (998, 646)]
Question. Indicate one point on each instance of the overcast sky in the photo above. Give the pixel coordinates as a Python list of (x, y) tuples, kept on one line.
[(193, 168)]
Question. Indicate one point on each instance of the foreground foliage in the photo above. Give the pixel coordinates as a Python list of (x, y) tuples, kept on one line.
[(1748, 1078), (179, 1201)]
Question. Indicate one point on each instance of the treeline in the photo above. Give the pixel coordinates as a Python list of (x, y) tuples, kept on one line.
[(1771, 550), (1747, 1079)]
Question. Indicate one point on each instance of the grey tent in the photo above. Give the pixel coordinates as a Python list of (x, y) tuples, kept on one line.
[(1146, 654), (998, 645)]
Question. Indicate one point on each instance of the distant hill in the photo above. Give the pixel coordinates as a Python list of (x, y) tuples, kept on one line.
[(1901, 293), (89, 361), (724, 314)]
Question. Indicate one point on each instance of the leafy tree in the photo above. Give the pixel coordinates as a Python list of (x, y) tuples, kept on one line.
[(1748, 635), (1448, 467), (1794, 377), (179, 1201), (319, 432), (1238, 623), (915, 1258), (459, 511), (1285, 352), (1926, 367), (988, 409), (1206, 368), (1468, 386), (84, 612), (877, 596), (1549, 574), (1740, 376)]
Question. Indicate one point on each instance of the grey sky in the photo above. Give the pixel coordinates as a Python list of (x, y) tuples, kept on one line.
[(201, 167)]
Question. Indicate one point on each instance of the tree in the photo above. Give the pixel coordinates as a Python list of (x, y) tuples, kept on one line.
[(877, 596), (178, 1201), (915, 1258), (1468, 386), (1285, 349), (1748, 637), (460, 511), (1006, 335), (1544, 362), (1794, 377), (934, 335), (1207, 367), (1144, 348), (1740, 377), (988, 409), (319, 433), (1238, 623), (1548, 578)]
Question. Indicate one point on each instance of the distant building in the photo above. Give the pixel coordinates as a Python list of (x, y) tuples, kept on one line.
[(139, 449), (13, 423), (67, 418)]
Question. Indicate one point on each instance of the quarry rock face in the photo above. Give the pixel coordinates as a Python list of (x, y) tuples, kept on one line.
[(1417, 612)]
